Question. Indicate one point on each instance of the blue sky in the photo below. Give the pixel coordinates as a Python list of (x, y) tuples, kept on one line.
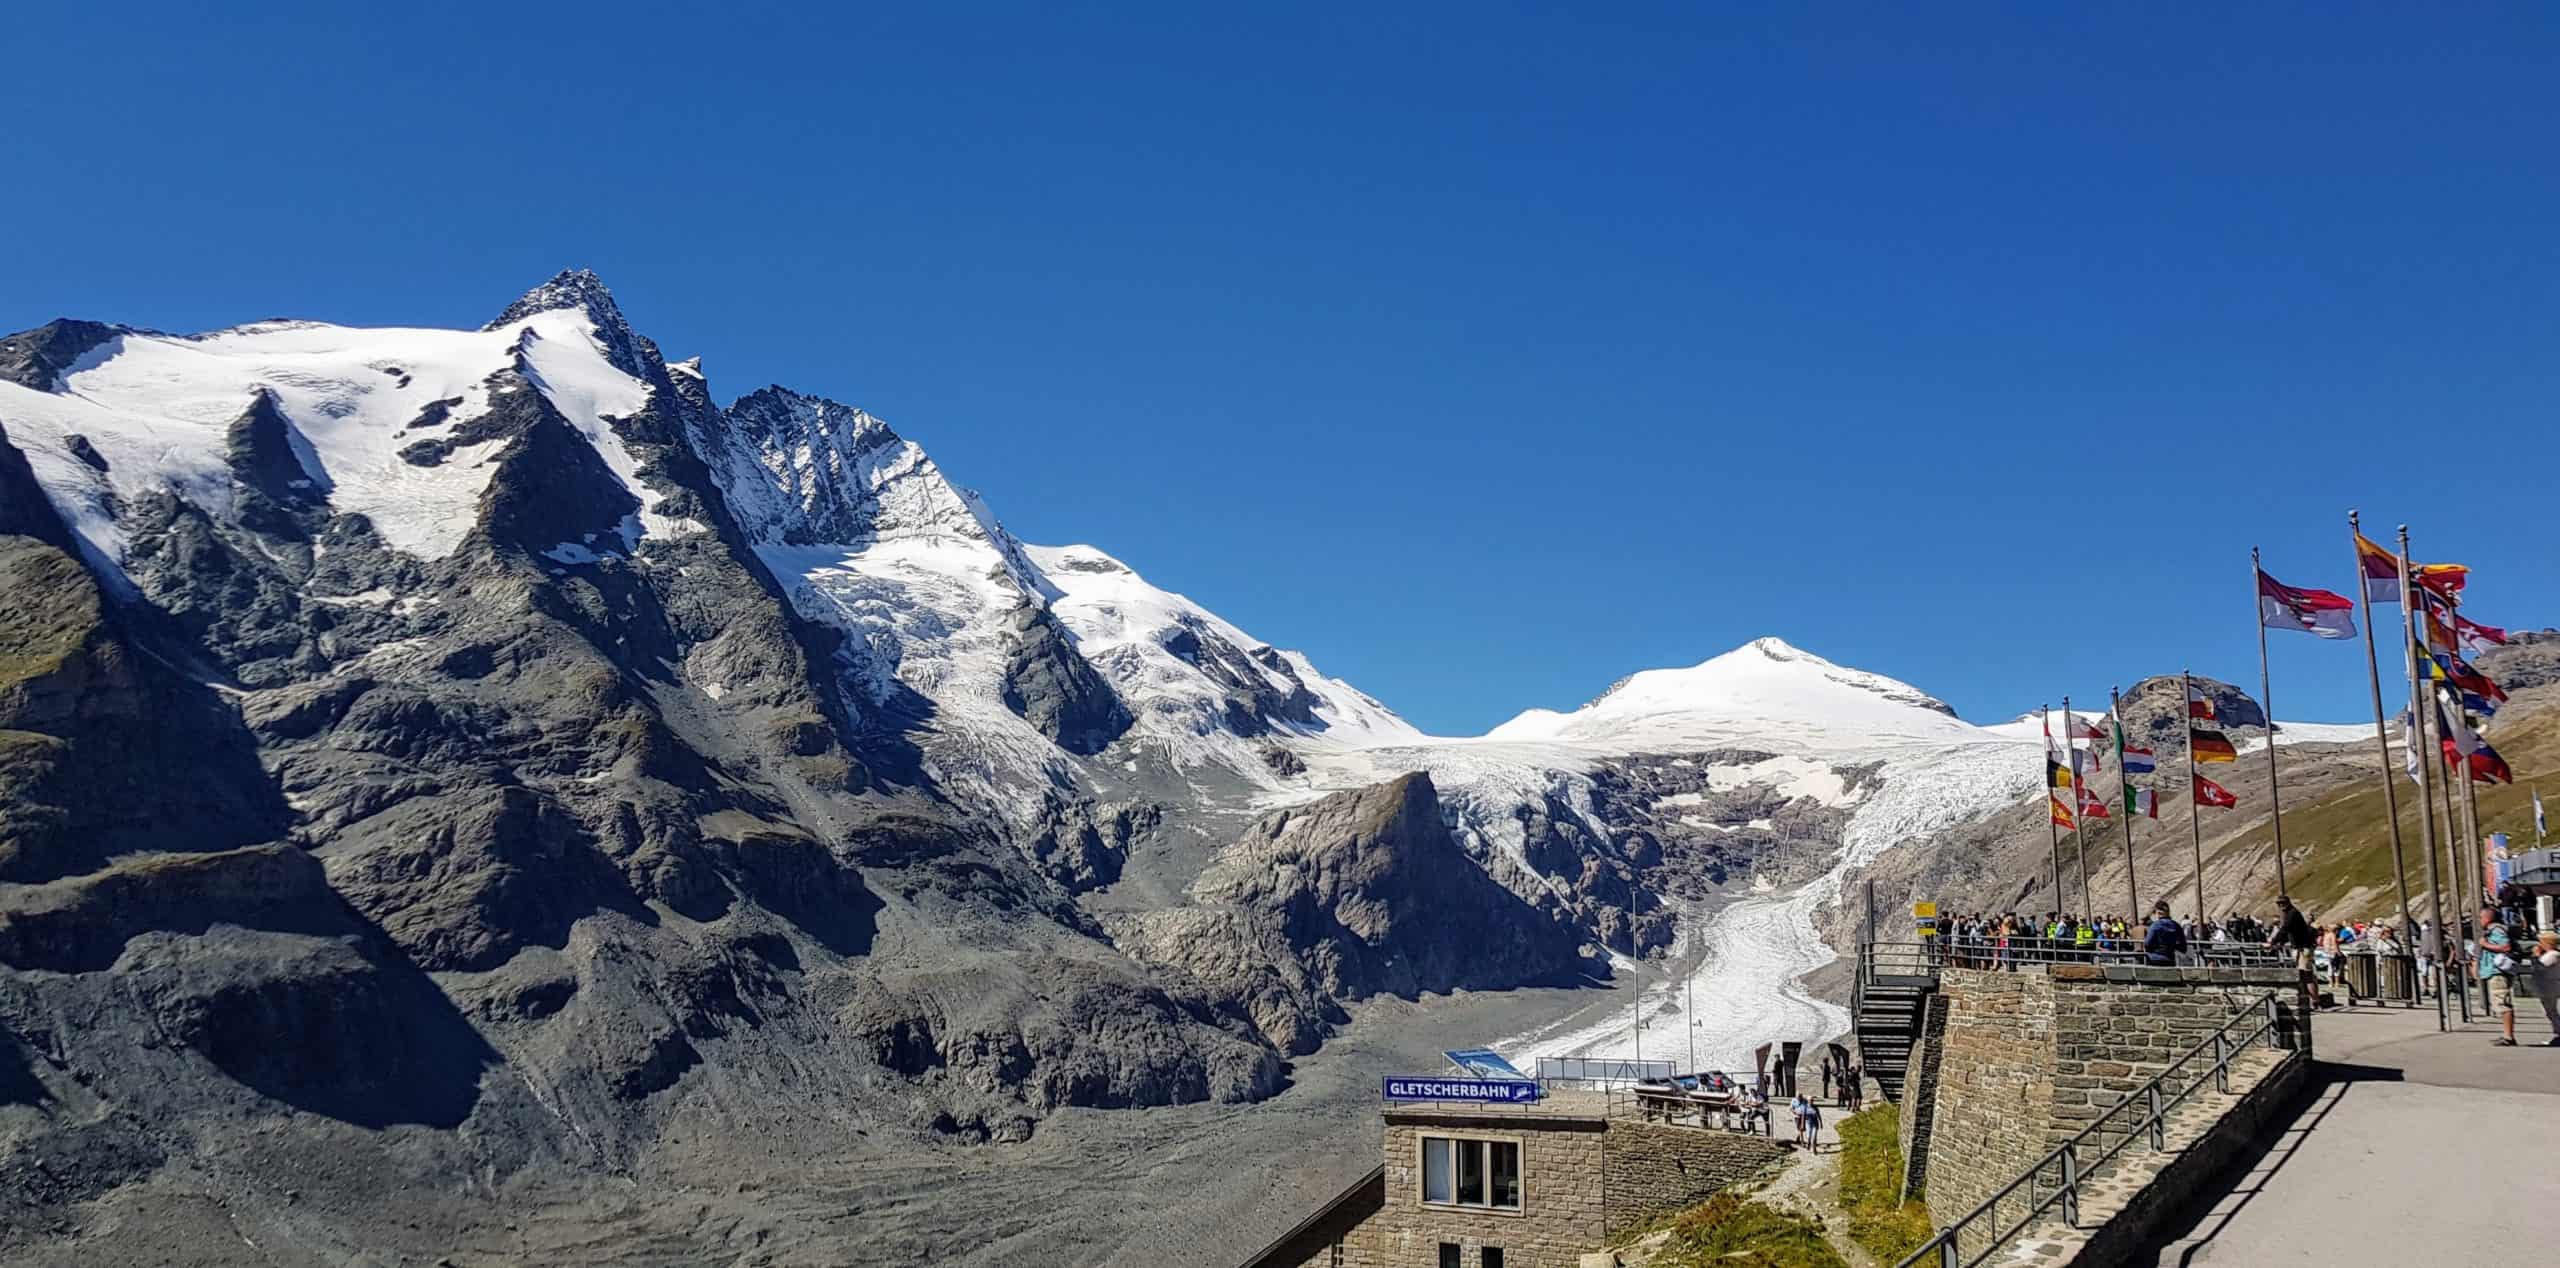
[(1486, 353)]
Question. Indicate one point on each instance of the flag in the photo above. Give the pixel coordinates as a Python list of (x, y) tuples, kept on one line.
[(2199, 705), (2537, 813), (2456, 731), (2439, 632), (2136, 761), (2486, 766), (2209, 793), (2460, 673), (2061, 813), (2091, 807), (2212, 746), (2480, 704), (2080, 730), (2409, 744), (2282, 607), (2056, 775), (2382, 573), (2443, 579), (2475, 639), (2084, 763), (2142, 801)]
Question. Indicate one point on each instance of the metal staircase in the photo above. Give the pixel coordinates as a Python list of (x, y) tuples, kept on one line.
[(1889, 1005)]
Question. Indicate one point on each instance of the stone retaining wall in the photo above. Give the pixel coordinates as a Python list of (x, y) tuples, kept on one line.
[(1650, 1168), (2029, 1057)]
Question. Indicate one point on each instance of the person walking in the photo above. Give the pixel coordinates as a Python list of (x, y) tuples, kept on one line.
[(2294, 933), (2546, 982), (1807, 1120), (2164, 942)]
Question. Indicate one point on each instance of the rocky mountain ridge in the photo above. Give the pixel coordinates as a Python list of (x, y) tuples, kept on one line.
[(660, 771)]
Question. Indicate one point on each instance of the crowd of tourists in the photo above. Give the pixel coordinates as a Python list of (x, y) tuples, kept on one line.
[(2489, 959)]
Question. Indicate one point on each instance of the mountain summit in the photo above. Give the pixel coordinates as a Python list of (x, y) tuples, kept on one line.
[(1764, 686)]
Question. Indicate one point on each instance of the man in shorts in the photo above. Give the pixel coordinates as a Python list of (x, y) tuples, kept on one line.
[(2497, 966)]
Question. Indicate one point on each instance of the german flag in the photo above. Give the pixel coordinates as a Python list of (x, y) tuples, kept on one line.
[(2212, 746)]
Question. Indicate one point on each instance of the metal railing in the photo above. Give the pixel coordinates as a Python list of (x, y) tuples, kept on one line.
[(1882, 961), (2153, 1103)]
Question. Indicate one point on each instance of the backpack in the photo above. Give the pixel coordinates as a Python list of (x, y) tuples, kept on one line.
[(2494, 958)]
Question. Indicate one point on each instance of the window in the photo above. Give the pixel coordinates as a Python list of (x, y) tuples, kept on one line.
[(1492, 1257), (1460, 1172), (1449, 1255)]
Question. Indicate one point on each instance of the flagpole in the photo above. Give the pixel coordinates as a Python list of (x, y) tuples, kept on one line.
[(2053, 831), (2266, 701), (2426, 794), (2124, 786), (2381, 734), (2475, 845), (2195, 816), (2079, 807)]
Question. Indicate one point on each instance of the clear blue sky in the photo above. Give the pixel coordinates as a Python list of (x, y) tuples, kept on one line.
[(1485, 353)]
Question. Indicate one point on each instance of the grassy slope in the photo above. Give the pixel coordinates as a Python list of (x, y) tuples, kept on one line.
[(1871, 1184), (1729, 1231), (2339, 847)]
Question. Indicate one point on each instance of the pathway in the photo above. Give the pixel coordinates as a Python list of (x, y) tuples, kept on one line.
[(2410, 1143)]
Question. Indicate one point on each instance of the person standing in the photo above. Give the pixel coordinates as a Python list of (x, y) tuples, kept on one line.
[(2294, 933), (2164, 941), (2496, 966)]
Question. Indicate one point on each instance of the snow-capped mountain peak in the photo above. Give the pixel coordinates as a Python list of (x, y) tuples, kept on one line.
[(1189, 674), (1766, 687), (579, 290)]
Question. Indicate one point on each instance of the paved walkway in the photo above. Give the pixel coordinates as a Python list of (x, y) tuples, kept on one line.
[(2410, 1143)]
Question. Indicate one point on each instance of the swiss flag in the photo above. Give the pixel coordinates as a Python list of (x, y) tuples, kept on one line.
[(2209, 793)]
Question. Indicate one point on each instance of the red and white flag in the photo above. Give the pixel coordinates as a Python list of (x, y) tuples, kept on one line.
[(2315, 612), (2209, 793), (2199, 705), (2477, 639)]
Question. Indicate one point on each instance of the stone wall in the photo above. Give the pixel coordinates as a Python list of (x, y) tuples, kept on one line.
[(1994, 1094), (2028, 1058), (1561, 1215), (2118, 1026), (1916, 1122), (1650, 1168)]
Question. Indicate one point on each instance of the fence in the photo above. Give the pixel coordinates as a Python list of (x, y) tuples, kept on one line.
[(1605, 1071)]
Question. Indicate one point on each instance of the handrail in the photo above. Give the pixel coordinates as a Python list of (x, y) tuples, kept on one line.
[(1947, 1245), (1927, 959)]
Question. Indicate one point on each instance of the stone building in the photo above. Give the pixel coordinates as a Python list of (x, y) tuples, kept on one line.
[(1528, 1186)]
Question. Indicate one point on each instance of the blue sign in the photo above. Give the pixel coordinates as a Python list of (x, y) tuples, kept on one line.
[(1418, 1088), (1484, 1063)]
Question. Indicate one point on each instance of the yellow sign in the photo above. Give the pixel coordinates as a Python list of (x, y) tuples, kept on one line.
[(1924, 910)]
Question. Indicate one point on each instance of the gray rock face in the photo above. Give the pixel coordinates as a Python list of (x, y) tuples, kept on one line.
[(1057, 691), (36, 358), (1357, 894), (522, 855)]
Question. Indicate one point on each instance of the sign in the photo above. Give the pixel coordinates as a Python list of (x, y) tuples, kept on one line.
[(1501, 1091), (1484, 1063), (1924, 911), (1924, 917)]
